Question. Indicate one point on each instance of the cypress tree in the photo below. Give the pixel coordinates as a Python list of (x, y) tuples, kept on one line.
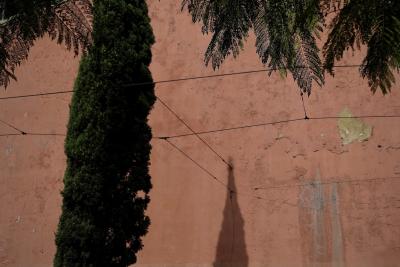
[(106, 183)]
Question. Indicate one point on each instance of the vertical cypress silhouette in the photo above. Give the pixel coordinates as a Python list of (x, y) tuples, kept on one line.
[(107, 181), (231, 248)]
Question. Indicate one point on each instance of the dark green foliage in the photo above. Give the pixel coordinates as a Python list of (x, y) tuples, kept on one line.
[(24, 21), (108, 142), (286, 32), (376, 24), (229, 22), (283, 29)]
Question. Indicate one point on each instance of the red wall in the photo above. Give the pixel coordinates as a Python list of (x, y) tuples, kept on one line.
[(349, 216)]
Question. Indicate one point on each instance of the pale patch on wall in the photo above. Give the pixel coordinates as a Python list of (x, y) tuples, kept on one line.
[(320, 224), (352, 129)]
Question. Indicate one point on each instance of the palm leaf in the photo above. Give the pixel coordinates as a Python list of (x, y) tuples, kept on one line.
[(72, 25), (229, 22), (331, 6), (276, 25), (273, 27), (13, 51), (375, 24), (307, 66), (383, 54), (70, 22)]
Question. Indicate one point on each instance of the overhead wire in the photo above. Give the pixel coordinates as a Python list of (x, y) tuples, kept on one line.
[(166, 138), (229, 74), (32, 134), (273, 123), (5, 135), (198, 164), (175, 80), (190, 128), (22, 132), (304, 106), (45, 134), (243, 126), (35, 95), (212, 176), (13, 127), (197, 134), (315, 183)]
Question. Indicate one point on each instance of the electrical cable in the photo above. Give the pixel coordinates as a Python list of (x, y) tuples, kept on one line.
[(304, 106), (240, 127), (13, 127), (209, 173), (229, 74), (173, 80), (21, 132), (231, 192), (198, 165), (313, 183), (45, 134), (187, 126), (273, 123), (38, 94), (32, 134), (5, 135)]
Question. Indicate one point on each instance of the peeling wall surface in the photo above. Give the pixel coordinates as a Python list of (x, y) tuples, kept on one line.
[(318, 193)]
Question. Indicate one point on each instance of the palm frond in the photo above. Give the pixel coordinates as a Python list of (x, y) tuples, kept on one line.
[(13, 51), (262, 36), (383, 55), (307, 66), (70, 22), (375, 24), (22, 23), (273, 28), (284, 40), (330, 6), (72, 25), (229, 22), (276, 25), (343, 35)]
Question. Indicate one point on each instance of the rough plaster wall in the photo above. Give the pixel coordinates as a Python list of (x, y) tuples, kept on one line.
[(302, 219), (31, 168)]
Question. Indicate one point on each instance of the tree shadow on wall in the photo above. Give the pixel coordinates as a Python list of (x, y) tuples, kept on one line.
[(231, 248)]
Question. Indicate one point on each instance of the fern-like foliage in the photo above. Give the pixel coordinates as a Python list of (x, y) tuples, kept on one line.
[(375, 24), (307, 67), (291, 26), (332, 6), (24, 21), (72, 24), (229, 21), (284, 33), (275, 20), (13, 50)]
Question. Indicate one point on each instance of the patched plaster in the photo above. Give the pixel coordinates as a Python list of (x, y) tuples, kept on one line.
[(352, 129)]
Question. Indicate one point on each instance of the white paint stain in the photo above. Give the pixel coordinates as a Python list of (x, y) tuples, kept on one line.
[(337, 239)]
